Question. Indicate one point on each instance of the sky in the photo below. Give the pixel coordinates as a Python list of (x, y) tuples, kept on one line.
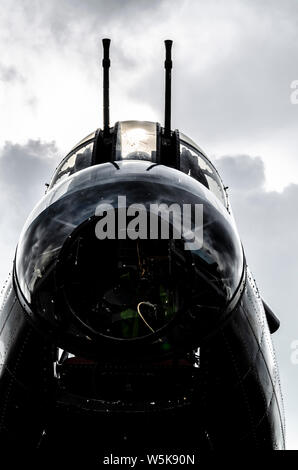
[(234, 64)]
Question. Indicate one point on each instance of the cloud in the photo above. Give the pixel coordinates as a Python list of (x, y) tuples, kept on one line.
[(268, 227), (242, 172), (24, 169), (10, 74), (62, 20), (233, 66)]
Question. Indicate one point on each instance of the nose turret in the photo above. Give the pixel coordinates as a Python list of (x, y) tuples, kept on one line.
[(129, 255)]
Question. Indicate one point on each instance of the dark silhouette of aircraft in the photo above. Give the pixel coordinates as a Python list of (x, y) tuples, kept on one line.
[(120, 327)]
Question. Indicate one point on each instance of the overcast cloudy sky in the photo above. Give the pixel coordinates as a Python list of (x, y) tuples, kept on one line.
[(234, 62)]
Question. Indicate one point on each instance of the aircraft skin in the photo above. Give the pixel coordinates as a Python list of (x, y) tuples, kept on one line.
[(163, 347)]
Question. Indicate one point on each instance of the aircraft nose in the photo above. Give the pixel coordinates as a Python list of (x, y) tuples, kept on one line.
[(130, 255)]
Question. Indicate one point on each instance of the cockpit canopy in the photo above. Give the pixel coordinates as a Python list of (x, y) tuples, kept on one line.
[(140, 140)]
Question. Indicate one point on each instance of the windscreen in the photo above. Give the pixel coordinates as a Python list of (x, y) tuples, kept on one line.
[(194, 163), (136, 140), (77, 160)]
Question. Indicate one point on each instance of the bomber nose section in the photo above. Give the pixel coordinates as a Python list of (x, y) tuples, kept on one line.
[(129, 254)]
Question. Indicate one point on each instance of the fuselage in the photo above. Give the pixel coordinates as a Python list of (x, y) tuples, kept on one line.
[(131, 316)]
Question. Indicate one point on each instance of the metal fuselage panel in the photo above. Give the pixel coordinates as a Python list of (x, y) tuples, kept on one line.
[(25, 375), (243, 402), (237, 401)]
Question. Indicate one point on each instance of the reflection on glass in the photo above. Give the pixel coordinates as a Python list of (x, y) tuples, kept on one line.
[(218, 262), (77, 161), (195, 164), (136, 141)]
